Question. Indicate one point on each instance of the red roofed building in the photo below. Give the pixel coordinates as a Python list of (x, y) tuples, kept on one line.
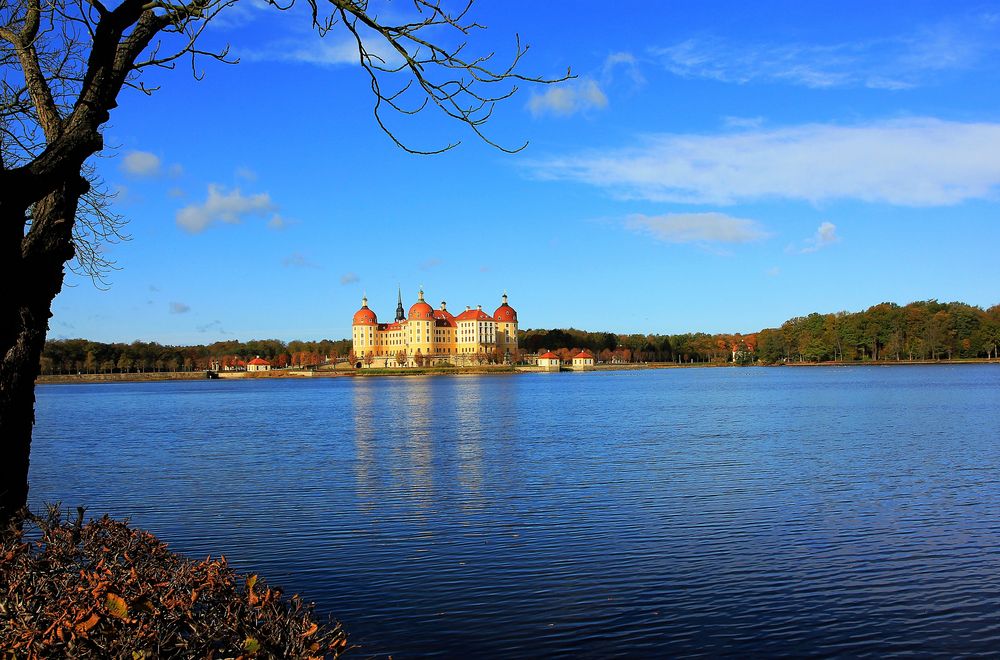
[(583, 361), (549, 361), (258, 364), (433, 336)]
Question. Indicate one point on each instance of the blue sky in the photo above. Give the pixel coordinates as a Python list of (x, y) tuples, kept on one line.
[(714, 166)]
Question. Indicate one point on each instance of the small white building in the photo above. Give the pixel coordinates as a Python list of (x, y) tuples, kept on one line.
[(583, 361), (549, 361), (258, 364)]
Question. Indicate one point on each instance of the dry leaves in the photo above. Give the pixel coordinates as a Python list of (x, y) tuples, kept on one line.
[(104, 589)]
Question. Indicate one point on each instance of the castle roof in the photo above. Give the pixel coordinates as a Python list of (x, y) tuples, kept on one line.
[(365, 316), (505, 313), (444, 319), (259, 361), (584, 354), (420, 309), (548, 356), (473, 315)]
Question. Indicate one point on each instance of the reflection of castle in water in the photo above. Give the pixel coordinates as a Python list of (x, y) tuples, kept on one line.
[(410, 433)]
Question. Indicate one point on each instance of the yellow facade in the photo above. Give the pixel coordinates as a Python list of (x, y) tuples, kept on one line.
[(434, 336)]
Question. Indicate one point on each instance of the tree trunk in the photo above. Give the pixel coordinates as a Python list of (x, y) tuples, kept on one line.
[(37, 277)]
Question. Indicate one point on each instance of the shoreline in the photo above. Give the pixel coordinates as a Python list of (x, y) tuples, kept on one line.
[(148, 377)]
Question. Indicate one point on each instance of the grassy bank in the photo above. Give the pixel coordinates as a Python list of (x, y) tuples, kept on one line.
[(441, 371)]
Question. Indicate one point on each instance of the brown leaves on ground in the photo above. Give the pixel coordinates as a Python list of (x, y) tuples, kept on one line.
[(104, 589)]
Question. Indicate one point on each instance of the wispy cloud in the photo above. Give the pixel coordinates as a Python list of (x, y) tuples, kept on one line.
[(221, 206), (433, 262), (246, 174), (826, 235), (141, 164), (912, 162), (696, 228), (179, 308), (587, 93), (298, 260), (897, 62), (349, 278), (277, 222), (568, 98), (327, 52), (215, 325), (623, 61)]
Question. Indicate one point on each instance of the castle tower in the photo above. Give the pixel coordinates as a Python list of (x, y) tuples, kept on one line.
[(363, 330), (506, 318), (400, 316), (420, 327)]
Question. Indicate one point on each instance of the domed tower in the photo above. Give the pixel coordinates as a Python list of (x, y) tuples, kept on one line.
[(363, 330), (420, 327), (506, 318)]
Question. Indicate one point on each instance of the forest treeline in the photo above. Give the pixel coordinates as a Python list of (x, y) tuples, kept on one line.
[(924, 330), (84, 356)]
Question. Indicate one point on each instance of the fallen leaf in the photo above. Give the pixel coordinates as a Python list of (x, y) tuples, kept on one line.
[(251, 645), (116, 605), (84, 626)]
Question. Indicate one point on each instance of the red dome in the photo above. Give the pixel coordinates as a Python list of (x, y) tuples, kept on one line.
[(420, 311), (505, 314), (365, 316)]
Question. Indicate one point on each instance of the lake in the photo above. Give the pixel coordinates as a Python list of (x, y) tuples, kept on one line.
[(851, 510)]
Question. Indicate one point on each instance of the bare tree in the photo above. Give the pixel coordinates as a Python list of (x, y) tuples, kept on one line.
[(65, 63)]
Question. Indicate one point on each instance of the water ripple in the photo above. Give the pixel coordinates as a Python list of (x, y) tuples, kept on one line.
[(776, 512)]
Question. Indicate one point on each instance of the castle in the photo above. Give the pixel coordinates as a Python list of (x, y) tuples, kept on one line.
[(434, 336)]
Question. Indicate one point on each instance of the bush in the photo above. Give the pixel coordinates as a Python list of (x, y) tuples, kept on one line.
[(103, 589)]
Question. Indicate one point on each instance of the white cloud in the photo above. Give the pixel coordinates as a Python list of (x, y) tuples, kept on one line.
[(568, 98), (824, 236), (897, 62), (221, 206), (327, 51), (912, 162), (298, 260), (246, 173), (349, 278), (141, 163), (696, 228), (179, 308), (277, 222), (625, 61), (742, 122)]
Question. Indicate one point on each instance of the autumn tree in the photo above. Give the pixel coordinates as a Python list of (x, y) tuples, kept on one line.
[(66, 63), (401, 358)]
